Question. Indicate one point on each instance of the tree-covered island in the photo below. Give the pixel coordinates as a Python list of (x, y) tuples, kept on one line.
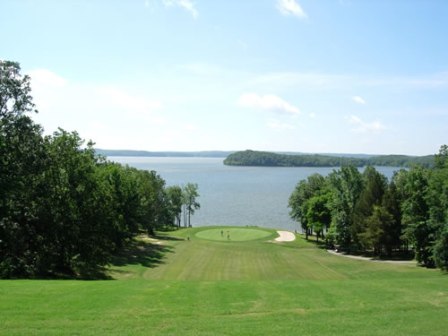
[(270, 159)]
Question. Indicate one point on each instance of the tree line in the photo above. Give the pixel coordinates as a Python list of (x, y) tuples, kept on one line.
[(269, 159), (64, 210), (364, 212)]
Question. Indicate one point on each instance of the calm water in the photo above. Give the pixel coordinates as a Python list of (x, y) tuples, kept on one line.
[(234, 195)]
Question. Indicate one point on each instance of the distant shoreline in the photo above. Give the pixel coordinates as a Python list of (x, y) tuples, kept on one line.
[(281, 159), (141, 153), (270, 159)]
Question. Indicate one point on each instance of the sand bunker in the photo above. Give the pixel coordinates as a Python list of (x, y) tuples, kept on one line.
[(285, 236)]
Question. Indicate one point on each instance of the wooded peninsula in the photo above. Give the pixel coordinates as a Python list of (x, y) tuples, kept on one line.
[(269, 159)]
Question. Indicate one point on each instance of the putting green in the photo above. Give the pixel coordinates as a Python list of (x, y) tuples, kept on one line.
[(233, 234)]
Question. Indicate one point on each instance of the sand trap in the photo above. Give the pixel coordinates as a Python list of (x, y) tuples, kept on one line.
[(285, 236)]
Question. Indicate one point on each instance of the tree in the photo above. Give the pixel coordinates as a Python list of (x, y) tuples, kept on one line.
[(441, 159), (15, 91), (392, 229), (372, 237), (438, 207), (418, 230), (190, 192), (174, 196), (318, 213), (441, 250), (302, 193), (22, 161), (119, 187), (374, 186), (153, 209), (346, 185), (64, 210)]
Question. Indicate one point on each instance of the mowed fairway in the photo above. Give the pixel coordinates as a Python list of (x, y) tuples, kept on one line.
[(197, 282)]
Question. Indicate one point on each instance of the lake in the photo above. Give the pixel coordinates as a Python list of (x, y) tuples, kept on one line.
[(229, 195)]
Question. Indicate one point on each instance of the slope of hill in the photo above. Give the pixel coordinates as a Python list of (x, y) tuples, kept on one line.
[(181, 283)]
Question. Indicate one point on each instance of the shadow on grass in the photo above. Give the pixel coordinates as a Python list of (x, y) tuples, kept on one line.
[(396, 255), (163, 236), (136, 252), (141, 253)]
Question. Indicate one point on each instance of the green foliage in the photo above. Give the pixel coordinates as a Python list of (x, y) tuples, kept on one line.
[(347, 185), (368, 214), (374, 187), (299, 201), (372, 236), (15, 91), (257, 158), (441, 250), (318, 213), (190, 194), (175, 202), (63, 210)]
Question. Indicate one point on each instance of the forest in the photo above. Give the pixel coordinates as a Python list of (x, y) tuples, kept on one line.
[(269, 159), (64, 210), (365, 213)]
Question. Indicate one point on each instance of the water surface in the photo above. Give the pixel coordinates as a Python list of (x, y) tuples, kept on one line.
[(229, 195)]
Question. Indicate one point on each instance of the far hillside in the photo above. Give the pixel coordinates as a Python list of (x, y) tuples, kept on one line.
[(141, 153), (269, 159)]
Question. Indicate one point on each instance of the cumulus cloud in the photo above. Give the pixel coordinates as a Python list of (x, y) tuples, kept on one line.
[(278, 125), (361, 126), (120, 103), (359, 100), (291, 7), (267, 102), (45, 77), (187, 5)]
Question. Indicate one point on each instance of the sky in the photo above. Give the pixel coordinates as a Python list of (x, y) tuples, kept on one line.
[(314, 76)]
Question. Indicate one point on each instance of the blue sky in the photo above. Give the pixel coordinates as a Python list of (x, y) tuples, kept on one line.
[(329, 76)]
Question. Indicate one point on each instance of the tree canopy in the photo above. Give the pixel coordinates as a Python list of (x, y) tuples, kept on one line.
[(64, 210), (269, 159), (370, 214)]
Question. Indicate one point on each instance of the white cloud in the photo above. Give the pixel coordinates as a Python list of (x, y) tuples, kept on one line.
[(187, 5), (332, 81), (360, 126), (111, 116), (47, 87), (44, 77), (124, 100), (267, 102), (190, 127), (359, 100), (277, 125), (291, 7), (203, 69)]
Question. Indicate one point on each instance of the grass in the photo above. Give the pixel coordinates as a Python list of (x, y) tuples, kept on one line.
[(204, 286), (233, 234)]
